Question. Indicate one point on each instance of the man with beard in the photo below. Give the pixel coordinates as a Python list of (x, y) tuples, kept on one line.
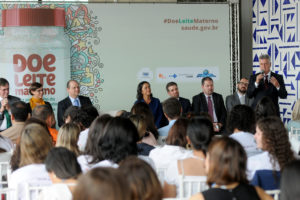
[(240, 96)]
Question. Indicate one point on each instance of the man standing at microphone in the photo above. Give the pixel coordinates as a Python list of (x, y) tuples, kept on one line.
[(5, 101), (266, 83)]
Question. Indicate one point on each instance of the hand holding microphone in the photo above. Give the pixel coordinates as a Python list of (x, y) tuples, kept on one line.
[(260, 76), (4, 104)]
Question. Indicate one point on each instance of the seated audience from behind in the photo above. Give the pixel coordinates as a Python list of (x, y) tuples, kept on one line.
[(265, 108), (172, 111), (271, 137), (19, 114), (141, 108), (92, 154), (295, 121), (142, 179), (92, 114), (123, 113), (241, 126), (175, 147), (34, 146), (102, 184), (140, 123), (45, 113), (225, 166), (75, 115), (68, 136), (199, 135), (63, 169), (290, 181)]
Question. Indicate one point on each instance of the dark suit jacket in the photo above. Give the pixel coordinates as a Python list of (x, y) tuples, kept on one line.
[(64, 104), (185, 104), (11, 100), (272, 92), (233, 100), (200, 105)]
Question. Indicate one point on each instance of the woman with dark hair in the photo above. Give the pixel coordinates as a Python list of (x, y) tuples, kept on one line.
[(264, 108), (290, 181), (34, 146), (37, 92), (142, 179), (225, 165), (271, 137), (199, 135), (144, 95), (102, 184), (241, 125), (92, 153), (63, 169)]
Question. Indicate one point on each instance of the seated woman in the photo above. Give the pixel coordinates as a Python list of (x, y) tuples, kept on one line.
[(68, 136), (265, 108), (36, 90), (226, 173), (295, 121), (102, 184), (92, 153), (175, 147), (144, 95), (271, 137), (142, 179), (63, 169), (34, 146), (199, 134), (290, 181)]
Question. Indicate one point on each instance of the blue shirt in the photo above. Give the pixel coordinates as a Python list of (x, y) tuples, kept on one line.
[(165, 130)]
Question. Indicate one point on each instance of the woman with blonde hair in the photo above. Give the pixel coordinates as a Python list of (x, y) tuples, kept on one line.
[(34, 146), (295, 121), (68, 136)]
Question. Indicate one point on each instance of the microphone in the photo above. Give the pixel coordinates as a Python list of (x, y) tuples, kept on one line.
[(262, 72)]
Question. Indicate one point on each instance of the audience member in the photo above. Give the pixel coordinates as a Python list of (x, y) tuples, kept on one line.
[(212, 103), (63, 169), (265, 108), (199, 135), (272, 137), (102, 184), (144, 95), (290, 180), (6, 101), (34, 147), (173, 91), (174, 149), (295, 121), (92, 154), (226, 163), (241, 123), (74, 99), (37, 92), (68, 136), (142, 179), (76, 115), (240, 96), (172, 111), (19, 114), (45, 113)]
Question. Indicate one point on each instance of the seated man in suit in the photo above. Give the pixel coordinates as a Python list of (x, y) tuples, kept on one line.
[(172, 90), (266, 83), (6, 101), (240, 96), (74, 99), (212, 103)]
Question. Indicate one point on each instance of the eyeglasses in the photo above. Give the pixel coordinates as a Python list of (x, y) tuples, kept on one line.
[(242, 83)]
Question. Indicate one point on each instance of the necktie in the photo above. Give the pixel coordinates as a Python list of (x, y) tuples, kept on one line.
[(210, 108), (76, 102), (7, 116), (266, 82)]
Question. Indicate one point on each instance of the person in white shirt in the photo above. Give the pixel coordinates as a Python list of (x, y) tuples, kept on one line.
[(241, 125), (34, 145), (63, 169)]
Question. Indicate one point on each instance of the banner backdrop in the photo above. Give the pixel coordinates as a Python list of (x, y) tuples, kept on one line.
[(115, 46)]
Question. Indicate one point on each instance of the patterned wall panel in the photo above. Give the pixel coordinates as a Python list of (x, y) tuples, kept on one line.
[(276, 32)]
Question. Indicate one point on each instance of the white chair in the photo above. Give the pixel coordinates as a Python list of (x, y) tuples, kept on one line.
[(190, 185), (274, 193), (5, 173), (294, 137), (32, 191)]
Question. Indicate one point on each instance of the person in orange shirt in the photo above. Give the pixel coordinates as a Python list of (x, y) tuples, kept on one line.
[(45, 113)]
